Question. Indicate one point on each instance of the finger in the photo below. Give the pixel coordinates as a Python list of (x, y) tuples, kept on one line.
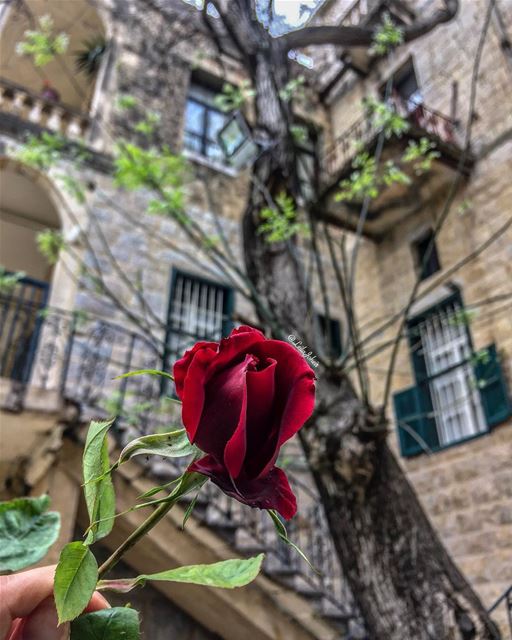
[(42, 623), (97, 603), (22, 592)]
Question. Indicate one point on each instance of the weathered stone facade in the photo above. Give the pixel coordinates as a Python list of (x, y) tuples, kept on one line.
[(466, 489)]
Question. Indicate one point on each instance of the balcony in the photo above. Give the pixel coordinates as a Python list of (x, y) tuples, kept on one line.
[(56, 91), (396, 201), (28, 106), (361, 13), (50, 358)]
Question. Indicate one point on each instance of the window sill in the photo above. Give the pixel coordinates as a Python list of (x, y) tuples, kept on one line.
[(210, 164), (451, 445)]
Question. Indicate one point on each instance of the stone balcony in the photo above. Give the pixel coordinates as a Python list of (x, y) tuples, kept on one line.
[(46, 114)]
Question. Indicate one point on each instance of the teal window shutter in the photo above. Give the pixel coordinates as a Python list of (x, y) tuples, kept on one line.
[(492, 387), (413, 413), (407, 412)]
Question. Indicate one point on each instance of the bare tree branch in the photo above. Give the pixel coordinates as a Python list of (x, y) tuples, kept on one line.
[(363, 36)]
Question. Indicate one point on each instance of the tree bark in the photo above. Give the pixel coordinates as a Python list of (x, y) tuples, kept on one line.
[(403, 579)]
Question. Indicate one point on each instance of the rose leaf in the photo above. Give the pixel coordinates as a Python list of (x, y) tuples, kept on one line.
[(107, 624), (75, 580), (27, 531), (98, 487), (226, 574)]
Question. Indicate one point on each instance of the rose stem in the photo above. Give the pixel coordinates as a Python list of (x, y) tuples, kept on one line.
[(134, 537)]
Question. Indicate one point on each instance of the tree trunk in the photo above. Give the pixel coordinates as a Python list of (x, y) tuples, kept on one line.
[(402, 578)]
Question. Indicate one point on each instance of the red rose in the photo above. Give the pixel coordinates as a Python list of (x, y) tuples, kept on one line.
[(243, 398)]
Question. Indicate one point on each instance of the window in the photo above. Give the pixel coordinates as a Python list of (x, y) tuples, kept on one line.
[(331, 342), (425, 255), (405, 90), (459, 394), (198, 310), (203, 121)]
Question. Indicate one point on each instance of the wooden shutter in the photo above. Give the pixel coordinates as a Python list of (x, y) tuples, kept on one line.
[(413, 413), (492, 387)]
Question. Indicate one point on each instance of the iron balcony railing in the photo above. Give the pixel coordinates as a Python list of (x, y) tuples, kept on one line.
[(79, 357), (343, 149)]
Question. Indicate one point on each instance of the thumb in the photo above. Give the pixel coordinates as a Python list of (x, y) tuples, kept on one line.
[(41, 624)]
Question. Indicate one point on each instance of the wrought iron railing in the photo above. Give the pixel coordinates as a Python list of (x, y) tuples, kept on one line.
[(343, 149), (80, 356)]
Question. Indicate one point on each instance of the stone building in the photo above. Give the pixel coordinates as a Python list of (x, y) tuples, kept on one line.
[(62, 342)]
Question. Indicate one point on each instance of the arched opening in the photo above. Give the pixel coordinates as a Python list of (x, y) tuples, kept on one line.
[(57, 92), (26, 209)]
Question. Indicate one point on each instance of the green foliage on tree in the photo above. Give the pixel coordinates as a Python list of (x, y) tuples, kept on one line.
[(387, 36), (280, 221), (8, 280), (385, 118), (41, 152), (421, 154), (234, 97), (294, 89), (50, 243), (43, 44)]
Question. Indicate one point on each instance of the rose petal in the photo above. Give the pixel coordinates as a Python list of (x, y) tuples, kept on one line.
[(193, 390), (235, 347), (256, 413), (181, 366), (223, 409), (270, 492), (294, 400)]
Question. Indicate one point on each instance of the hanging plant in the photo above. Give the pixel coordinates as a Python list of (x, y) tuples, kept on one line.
[(88, 59)]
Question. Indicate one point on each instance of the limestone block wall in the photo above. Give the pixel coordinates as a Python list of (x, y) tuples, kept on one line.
[(466, 489)]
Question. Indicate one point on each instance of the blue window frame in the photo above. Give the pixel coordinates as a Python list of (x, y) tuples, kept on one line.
[(203, 121)]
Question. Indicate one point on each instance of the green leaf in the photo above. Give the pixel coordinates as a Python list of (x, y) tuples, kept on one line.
[(119, 623), (75, 580), (173, 444), (139, 372), (283, 535), (189, 511), (98, 487), (227, 574), (27, 531)]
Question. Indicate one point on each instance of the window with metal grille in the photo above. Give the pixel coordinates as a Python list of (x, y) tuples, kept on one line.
[(425, 255), (198, 310), (203, 121), (459, 394)]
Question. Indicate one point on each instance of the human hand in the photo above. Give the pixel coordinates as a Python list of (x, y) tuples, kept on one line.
[(27, 609)]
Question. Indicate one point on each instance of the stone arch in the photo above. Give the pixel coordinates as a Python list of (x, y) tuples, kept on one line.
[(82, 23), (41, 301)]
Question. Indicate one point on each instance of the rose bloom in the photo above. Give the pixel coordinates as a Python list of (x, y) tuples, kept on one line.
[(243, 398)]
